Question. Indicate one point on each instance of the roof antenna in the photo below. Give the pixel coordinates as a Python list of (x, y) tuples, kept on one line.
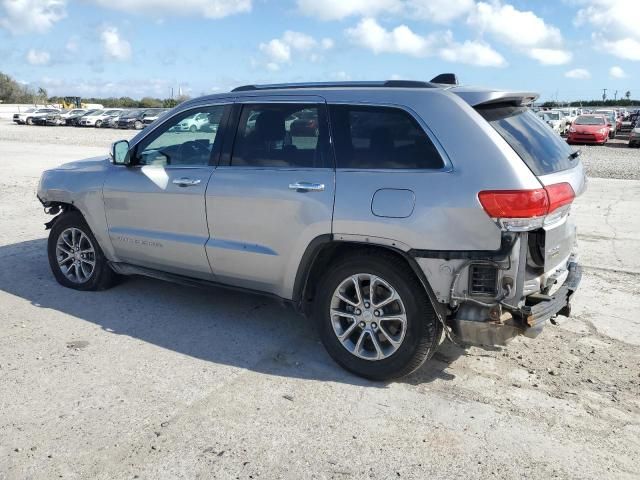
[(445, 79)]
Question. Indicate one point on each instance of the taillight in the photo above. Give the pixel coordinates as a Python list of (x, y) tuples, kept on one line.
[(560, 194), (519, 210)]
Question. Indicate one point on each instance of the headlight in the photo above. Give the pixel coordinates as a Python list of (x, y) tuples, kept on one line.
[(572, 129), (602, 130)]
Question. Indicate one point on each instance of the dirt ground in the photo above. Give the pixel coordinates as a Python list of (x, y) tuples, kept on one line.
[(152, 380)]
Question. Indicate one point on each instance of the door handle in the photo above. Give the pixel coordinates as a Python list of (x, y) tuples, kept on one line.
[(306, 187), (186, 182)]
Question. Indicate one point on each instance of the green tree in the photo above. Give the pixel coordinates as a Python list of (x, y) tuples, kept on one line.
[(627, 95), (149, 102)]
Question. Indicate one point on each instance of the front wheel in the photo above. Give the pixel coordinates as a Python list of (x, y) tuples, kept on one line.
[(137, 125), (75, 258), (98, 123), (374, 318)]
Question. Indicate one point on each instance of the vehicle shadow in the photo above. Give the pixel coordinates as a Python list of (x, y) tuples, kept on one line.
[(212, 324), (617, 144)]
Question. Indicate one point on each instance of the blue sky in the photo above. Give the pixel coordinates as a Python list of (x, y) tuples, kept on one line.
[(565, 48)]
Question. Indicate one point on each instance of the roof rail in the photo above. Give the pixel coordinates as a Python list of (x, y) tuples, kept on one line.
[(387, 83)]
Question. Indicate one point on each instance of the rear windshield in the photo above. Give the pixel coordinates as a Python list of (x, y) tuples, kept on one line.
[(543, 150), (590, 121)]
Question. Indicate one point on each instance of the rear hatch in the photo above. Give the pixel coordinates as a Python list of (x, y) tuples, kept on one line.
[(553, 162)]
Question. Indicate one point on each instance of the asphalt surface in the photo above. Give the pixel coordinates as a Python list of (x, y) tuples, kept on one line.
[(152, 380)]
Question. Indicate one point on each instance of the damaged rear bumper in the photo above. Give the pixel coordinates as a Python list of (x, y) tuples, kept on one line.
[(528, 320)]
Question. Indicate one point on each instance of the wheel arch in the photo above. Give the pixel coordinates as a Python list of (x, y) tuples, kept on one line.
[(324, 249)]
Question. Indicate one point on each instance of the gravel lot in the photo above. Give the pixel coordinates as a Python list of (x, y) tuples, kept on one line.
[(152, 380), (613, 160)]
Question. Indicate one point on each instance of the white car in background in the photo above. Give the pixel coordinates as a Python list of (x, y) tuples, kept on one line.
[(75, 111), (96, 119), (192, 124), (30, 114), (555, 120)]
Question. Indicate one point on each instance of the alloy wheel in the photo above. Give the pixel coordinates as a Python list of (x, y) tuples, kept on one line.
[(368, 316), (76, 255)]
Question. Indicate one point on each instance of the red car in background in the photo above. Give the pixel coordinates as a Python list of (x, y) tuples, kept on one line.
[(589, 129)]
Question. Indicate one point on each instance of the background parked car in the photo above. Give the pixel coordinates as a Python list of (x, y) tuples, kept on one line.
[(112, 120), (555, 120), (72, 120), (152, 115), (589, 129), (98, 117), (28, 116), (50, 119), (629, 122), (612, 118), (133, 119), (192, 124), (634, 136)]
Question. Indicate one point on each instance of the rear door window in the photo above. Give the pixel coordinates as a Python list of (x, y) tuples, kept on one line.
[(282, 135), (372, 137), (543, 150)]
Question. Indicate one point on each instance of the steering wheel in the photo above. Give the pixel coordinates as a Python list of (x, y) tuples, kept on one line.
[(191, 149)]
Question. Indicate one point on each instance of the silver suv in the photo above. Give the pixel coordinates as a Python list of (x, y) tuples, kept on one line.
[(393, 213)]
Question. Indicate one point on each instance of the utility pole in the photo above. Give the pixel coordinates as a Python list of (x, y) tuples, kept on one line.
[(615, 95), (604, 94)]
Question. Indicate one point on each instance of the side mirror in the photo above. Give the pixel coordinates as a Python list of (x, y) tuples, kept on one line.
[(120, 154)]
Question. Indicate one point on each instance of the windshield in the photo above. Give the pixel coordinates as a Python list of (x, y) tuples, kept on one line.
[(552, 116), (589, 121), (540, 148), (97, 112), (133, 113)]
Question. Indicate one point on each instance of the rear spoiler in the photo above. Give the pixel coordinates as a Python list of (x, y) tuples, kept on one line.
[(477, 97)]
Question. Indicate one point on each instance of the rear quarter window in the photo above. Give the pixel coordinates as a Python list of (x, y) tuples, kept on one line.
[(371, 137), (538, 146)]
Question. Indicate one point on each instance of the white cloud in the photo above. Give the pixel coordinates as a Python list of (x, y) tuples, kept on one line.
[(282, 50), (472, 53), (368, 33), (31, 16), (626, 48), (339, 9), (616, 23), (114, 46), (521, 30), (155, 8), (38, 57), (617, 17), (550, 56), (439, 11), (578, 74), (617, 72)]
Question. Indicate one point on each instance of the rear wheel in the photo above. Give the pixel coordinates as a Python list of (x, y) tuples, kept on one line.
[(138, 125), (98, 123), (29, 121), (75, 258), (374, 318)]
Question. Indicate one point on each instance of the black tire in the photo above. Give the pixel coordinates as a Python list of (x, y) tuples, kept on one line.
[(29, 121), (102, 276), (422, 328), (193, 129), (138, 125), (98, 123)]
